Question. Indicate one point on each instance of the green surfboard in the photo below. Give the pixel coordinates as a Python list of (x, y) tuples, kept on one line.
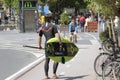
[(64, 54)]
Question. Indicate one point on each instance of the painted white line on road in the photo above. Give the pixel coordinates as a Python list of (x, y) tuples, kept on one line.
[(37, 53), (92, 36), (25, 69)]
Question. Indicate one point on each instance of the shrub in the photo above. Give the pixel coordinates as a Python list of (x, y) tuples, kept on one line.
[(104, 35), (64, 18)]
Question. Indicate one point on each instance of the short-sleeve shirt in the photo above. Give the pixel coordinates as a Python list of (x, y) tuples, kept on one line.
[(48, 31), (72, 27)]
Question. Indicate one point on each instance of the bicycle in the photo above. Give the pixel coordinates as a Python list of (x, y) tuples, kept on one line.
[(107, 45), (102, 69), (103, 59), (73, 37), (114, 66)]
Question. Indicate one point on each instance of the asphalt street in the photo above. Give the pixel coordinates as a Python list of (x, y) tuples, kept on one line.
[(12, 61), (13, 56)]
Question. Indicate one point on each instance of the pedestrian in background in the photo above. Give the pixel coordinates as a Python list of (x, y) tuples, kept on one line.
[(73, 29), (6, 19), (39, 23), (82, 22), (88, 19), (116, 22), (0, 21), (77, 20)]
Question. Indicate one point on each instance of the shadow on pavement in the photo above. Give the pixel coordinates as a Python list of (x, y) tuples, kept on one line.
[(72, 78)]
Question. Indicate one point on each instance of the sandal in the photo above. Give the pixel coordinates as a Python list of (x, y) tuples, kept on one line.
[(47, 78), (55, 76)]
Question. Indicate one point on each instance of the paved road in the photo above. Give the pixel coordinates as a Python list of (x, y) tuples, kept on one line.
[(13, 56), (12, 61), (79, 68), (15, 40)]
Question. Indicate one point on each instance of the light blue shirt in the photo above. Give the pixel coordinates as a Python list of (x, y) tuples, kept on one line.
[(73, 24)]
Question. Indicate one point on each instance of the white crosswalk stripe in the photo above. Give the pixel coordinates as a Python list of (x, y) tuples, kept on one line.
[(19, 47)]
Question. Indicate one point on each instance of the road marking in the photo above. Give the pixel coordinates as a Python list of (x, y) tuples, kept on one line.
[(94, 42), (92, 36), (35, 52)]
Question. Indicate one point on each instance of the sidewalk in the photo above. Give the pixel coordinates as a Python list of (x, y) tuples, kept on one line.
[(15, 40), (79, 68)]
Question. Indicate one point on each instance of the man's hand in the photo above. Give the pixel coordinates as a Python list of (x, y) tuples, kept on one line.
[(60, 44)]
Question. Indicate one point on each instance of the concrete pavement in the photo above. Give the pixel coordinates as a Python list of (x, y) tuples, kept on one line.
[(13, 56), (79, 68), (12, 61)]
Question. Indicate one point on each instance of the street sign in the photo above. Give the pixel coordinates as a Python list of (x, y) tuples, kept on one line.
[(27, 4), (39, 8), (46, 9)]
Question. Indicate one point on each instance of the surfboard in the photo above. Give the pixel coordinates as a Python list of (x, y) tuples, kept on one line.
[(62, 55)]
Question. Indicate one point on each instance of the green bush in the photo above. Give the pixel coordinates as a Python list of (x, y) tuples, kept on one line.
[(64, 18), (104, 35)]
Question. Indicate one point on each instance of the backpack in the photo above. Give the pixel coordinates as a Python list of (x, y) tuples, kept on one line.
[(82, 22)]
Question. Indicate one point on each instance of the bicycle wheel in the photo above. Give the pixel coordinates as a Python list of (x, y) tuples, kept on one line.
[(118, 72), (107, 45), (115, 73), (101, 60)]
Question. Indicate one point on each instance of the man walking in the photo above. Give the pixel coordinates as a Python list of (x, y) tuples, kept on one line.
[(49, 31)]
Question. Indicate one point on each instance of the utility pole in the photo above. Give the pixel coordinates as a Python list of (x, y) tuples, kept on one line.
[(98, 26), (10, 8), (22, 16)]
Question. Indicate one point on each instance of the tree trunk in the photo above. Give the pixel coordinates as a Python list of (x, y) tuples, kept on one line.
[(118, 14), (76, 11)]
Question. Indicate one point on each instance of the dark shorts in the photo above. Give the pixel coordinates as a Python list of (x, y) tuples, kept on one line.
[(72, 31)]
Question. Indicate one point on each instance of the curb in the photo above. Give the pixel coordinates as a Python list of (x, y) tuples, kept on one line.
[(25, 69)]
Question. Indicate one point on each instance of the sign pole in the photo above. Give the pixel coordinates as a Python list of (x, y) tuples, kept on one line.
[(23, 27), (98, 26)]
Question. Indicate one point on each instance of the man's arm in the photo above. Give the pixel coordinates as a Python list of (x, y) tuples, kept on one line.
[(57, 35), (69, 27)]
